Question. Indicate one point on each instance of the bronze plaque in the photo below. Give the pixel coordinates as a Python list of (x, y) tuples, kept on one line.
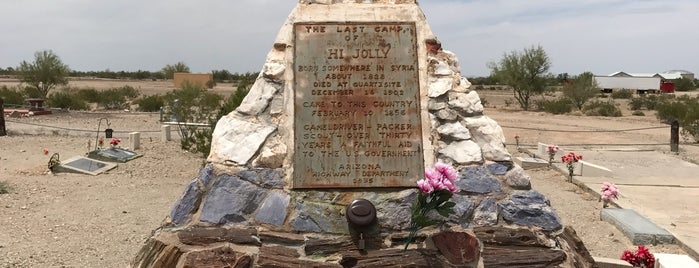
[(357, 106)]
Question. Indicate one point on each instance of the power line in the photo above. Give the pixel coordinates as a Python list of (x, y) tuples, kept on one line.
[(558, 130), (80, 130)]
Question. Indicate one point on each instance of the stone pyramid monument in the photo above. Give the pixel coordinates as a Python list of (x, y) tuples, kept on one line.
[(318, 165)]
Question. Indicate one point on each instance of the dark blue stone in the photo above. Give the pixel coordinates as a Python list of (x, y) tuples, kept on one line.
[(477, 180), (231, 199), (250, 175), (529, 197), (206, 174), (272, 178), (327, 217), (486, 213), (274, 208), (303, 223), (530, 208), (462, 210), (499, 168), (186, 205)]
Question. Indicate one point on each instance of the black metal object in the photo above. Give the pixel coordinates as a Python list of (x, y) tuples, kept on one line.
[(3, 132), (107, 132), (361, 212), (675, 136)]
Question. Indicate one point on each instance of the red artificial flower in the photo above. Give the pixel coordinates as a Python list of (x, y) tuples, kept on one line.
[(46, 151), (642, 256)]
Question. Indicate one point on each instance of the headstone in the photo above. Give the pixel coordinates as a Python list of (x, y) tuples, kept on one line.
[(165, 133), (135, 140)]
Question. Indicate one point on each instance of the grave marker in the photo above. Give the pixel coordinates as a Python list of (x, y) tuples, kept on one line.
[(79, 164), (357, 105)]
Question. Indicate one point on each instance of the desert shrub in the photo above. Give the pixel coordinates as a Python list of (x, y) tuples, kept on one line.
[(509, 102), (4, 187), (65, 100), (602, 108), (201, 141), (191, 104), (638, 113), (89, 95), (32, 92), (210, 84), (685, 110), (11, 96), (637, 103), (151, 103), (555, 106), (622, 94), (117, 98)]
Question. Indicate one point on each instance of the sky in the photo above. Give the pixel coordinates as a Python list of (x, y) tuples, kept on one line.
[(600, 36)]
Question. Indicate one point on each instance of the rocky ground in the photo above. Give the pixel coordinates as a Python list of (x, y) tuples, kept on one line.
[(73, 220)]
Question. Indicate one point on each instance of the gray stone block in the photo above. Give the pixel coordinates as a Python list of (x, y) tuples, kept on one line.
[(637, 228), (531, 163), (274, 208)]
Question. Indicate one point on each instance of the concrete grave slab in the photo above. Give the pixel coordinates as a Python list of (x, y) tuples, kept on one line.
[(664, 260), (531, 162), (80, 164), (113, 155), (636, 227)]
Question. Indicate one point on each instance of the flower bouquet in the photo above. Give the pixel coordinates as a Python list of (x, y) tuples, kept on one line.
[(552, 150), (641, 258), (570, 159), (114, 142), (436, 190), (609, 192)]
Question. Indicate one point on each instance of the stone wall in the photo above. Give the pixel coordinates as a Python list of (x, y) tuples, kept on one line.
[(241, 211)]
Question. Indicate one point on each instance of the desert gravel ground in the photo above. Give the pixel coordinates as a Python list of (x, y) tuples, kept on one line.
[(74, 220)]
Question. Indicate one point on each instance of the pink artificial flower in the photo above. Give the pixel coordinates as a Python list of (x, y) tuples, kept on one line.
[(517, 137), (552, 148), (425, 186), (447, 171), (450, 186), (432, 174)]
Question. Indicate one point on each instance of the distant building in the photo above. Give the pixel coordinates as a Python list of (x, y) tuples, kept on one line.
[(665, 76)]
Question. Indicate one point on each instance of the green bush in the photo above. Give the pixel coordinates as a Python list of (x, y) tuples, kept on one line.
[(117, 98), (89, 95), (622, 94), (65, 100), (11, 97), (602, 108), (683, 109), (637, 113), (151, 103), (637, 103), (556, 106), (4, 187)]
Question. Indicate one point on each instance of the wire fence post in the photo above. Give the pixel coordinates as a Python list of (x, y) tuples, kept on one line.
[(3, 131), (675, 136)]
